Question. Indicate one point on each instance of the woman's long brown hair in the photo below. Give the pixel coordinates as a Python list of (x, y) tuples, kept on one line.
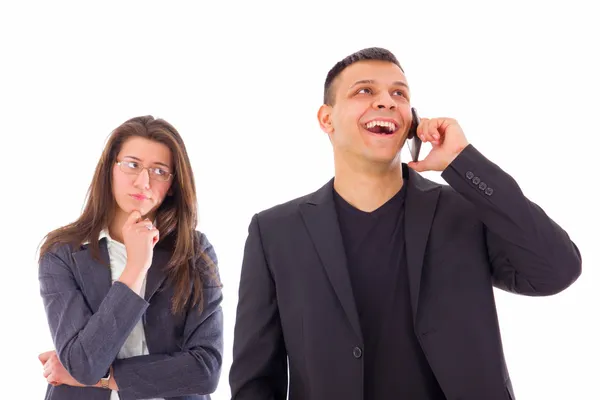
[(176, 218)]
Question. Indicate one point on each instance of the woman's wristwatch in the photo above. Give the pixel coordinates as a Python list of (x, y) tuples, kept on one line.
[(104, 380)]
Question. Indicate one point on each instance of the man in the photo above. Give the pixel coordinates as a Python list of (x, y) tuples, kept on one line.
[(380, 284)]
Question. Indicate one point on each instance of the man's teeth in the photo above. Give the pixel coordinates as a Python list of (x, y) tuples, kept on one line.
[(389, 125)]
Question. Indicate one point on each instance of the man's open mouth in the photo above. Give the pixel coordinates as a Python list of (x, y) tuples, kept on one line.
[(381, 127)]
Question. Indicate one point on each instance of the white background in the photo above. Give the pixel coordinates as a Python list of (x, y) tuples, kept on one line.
[(242, 82)]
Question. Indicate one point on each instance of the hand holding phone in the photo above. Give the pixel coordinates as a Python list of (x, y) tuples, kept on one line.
[(445, 136)]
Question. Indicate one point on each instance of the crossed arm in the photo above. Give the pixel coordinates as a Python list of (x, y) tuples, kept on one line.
[(87, 343)]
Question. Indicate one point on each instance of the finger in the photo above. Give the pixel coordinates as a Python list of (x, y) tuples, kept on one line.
[(133, 218), (145, 224), (47, 372), (419, 166), (433, 129), (444, 123), (43, 357), (428, 131), (145, 230), (425, 134), (154, 234)]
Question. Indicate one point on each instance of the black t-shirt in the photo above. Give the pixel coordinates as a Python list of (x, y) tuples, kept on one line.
[(395, 366)]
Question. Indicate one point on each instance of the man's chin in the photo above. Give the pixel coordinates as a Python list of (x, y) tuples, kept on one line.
[(385, 158), (376, 157)]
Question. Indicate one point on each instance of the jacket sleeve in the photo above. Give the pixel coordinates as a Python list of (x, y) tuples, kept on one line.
[(195, 369), (86, 343), (529, 253), (259, 368)]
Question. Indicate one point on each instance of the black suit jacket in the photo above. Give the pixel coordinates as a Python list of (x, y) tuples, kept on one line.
[(296, 301)]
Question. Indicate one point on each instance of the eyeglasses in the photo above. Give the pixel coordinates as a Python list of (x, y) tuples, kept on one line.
[(135, 168)]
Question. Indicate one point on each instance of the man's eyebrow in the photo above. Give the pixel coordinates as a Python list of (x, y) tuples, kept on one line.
[(372, 82)]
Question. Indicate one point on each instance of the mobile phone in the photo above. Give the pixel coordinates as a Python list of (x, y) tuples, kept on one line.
[(414, 142)]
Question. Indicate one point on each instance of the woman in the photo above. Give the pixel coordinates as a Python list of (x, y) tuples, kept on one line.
[(131, 289)]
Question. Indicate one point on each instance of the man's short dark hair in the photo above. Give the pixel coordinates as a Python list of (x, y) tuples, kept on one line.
[(371, 53)]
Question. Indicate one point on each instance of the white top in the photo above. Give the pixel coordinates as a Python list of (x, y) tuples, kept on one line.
[(135, 345)]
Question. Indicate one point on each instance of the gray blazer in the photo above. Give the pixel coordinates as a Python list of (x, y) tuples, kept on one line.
[(90, 319)]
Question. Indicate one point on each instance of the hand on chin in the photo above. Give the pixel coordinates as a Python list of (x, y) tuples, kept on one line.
[(143, 209)]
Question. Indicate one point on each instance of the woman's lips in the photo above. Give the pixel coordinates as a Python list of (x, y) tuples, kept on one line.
[(139, 197)]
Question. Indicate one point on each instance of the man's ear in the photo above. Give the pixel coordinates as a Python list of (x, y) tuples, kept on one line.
[(325, 120)]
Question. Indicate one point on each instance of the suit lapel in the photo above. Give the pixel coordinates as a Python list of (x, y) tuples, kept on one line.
[(94, 275), (156, 273), (421, 200), (320, 217)]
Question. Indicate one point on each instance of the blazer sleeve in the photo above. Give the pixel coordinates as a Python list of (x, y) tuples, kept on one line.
[(86, 343), (193, 370), (259, 367), (529, 253)]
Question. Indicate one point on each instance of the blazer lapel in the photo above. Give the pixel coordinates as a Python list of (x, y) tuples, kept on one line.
[(156, 273), (94, 275), (421, 200), (320, 217)]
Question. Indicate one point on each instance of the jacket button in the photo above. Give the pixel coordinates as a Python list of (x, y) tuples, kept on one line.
[(482, 185), (357, 352), (476, 180), (470, 175), (489, 191)]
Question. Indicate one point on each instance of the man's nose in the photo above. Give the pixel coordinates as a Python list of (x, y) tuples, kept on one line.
[(384, 100)]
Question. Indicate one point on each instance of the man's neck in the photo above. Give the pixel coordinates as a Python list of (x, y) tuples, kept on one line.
[(369, 188)]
